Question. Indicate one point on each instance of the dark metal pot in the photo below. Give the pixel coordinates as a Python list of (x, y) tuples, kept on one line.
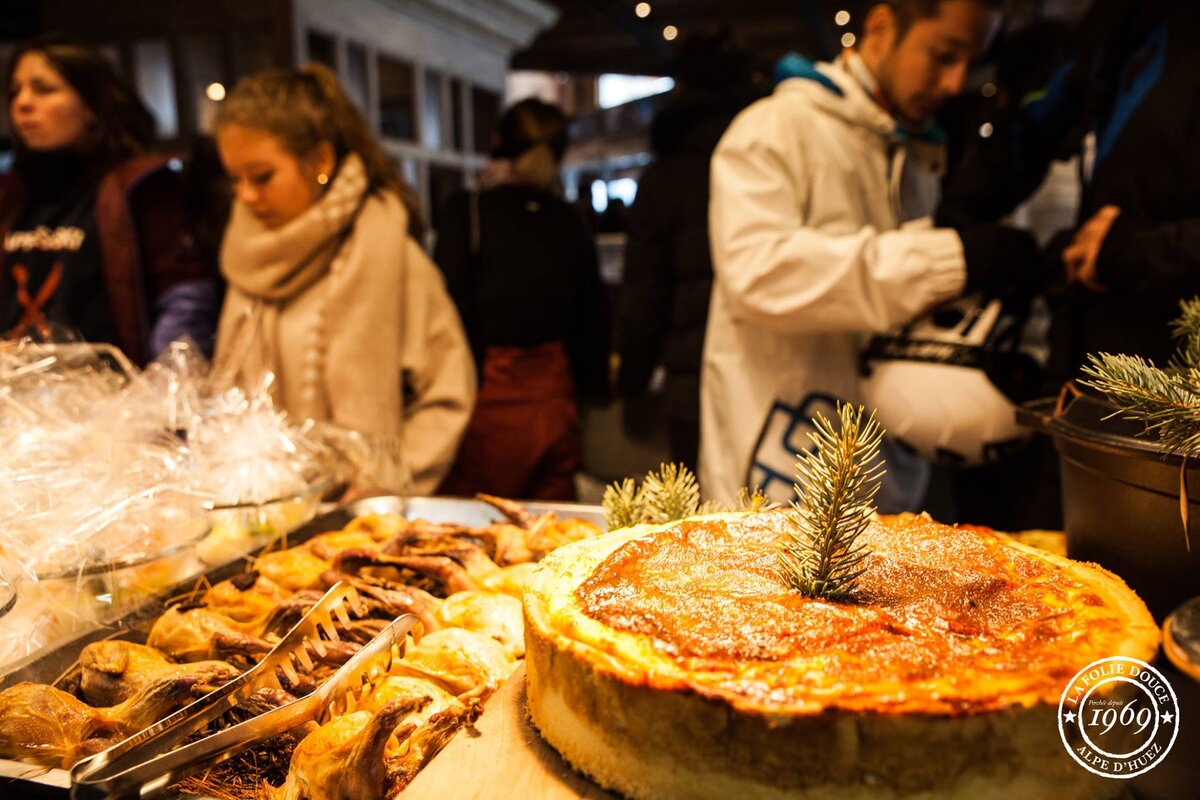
[(1122, 499)]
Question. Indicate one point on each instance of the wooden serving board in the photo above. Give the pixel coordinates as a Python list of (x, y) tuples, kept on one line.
[(503, 758)]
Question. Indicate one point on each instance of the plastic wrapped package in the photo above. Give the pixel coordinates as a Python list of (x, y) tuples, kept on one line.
[(94, 518), (324, 455), (90, 541), (49, 395), (54, 606), (167, 396), (102, 467), (263, 477)]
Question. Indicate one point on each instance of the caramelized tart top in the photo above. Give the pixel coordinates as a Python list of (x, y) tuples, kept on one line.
[(944, 620)]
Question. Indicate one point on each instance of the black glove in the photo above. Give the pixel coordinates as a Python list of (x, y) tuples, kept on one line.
[(1001, 261), (1056, 286)]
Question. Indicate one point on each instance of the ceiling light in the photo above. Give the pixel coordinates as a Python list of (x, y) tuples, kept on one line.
[(842, 18), (642, 10), (848, 40), (670, 32), (215, 92), (986, 130)]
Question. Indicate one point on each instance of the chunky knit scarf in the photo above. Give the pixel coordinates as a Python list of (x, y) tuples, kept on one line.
[(317, 304)]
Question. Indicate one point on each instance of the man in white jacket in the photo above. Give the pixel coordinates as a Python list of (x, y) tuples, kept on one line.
[(821, 234)]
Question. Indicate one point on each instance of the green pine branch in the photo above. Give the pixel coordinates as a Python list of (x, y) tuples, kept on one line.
[(836, 484), (672, 493), (1166, 401), (1186, 328), (753, 501), (624, 505)]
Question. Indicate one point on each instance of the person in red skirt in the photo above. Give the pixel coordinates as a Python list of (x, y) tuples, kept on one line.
[(522, 268)]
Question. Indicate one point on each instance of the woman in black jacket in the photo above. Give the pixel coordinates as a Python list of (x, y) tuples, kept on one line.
[(96, 234), (522, 269), (668, 268)]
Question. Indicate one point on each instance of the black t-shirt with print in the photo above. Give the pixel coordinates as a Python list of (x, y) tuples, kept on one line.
[(51, 257)]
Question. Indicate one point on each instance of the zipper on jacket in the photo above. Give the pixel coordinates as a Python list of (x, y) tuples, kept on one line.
[(895, 173)]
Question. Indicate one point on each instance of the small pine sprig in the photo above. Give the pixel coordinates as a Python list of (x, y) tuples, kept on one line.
[(624, 505), (1186, 328), (671, 493), (1167, 402), (836, 484), (753, 501)]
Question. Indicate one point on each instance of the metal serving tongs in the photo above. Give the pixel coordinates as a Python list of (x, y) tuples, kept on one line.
[(148, 762)]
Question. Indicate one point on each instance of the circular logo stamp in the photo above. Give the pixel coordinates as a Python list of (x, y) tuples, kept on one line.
[(1118, 717)]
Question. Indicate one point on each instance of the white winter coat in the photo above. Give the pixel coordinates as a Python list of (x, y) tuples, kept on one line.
[(820, 233)]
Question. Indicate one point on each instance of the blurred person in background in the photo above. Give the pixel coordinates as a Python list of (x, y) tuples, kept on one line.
[(820, 218), (327, 283), (1025, 58), (97, 237), (667, 279), (522, 269), (1122, 99), (1126, 103)]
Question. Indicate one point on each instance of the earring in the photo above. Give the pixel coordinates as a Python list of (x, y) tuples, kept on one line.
[(322, 179)]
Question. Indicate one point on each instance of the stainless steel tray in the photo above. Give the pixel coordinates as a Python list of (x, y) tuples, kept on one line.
[(18, 780)]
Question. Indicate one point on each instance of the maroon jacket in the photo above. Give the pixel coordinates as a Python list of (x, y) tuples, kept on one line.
[(155, 279)]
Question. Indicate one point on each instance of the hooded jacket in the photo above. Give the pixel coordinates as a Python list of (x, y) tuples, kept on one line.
[(820, 232)]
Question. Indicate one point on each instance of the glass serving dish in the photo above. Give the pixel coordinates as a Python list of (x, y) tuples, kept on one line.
[(57, 603), (240, 528)]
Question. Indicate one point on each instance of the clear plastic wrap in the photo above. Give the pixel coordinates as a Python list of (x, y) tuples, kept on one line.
[(49, 394), (368, 464), (93, 519), (263, 477), (110, 480)]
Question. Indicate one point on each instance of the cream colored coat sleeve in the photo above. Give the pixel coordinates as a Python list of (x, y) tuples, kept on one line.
[(438, 375), (778, 272)]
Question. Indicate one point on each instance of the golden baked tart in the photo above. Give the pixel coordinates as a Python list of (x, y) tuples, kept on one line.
[(673, 662)]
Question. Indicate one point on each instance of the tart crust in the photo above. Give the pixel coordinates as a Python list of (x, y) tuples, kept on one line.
[(629, 685)]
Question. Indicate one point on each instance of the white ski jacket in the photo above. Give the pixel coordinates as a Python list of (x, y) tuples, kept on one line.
[(820, 232)]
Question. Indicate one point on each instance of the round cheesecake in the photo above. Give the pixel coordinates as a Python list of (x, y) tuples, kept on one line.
[(674, 662)]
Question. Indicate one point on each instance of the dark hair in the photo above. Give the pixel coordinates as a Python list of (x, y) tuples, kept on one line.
[(307, 106), (122, 125), (712, 60), (911, 11), (527, 124)]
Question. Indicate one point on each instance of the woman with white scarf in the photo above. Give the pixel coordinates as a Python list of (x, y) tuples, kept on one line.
[(327, 287)]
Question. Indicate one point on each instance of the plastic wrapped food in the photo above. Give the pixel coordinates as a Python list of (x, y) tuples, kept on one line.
[(262, 476), (106, 474), (95, 516), (90, 540)]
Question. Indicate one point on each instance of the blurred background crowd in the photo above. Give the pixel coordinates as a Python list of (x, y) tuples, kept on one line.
[(540, 246)]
